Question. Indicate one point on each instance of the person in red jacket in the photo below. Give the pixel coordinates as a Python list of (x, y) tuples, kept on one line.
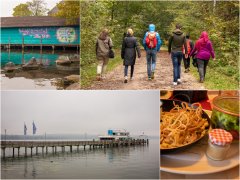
[(204, 51), (190, 47)]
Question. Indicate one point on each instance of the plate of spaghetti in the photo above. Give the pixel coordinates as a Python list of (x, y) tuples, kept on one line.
[(181, 125)]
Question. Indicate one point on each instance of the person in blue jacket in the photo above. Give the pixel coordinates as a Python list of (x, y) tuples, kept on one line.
[(152, 43)]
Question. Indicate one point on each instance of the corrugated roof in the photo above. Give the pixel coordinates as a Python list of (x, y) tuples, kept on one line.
[(33, 21)]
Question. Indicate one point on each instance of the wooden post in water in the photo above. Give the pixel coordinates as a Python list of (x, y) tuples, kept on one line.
[(55, 149), (46, 149), (13, 152), (70, 148), (52, 149), (84, 146), (42, 149), (18, 151), (22, 41), (31, 151), (3, 149), (36, 150), (25, 151)]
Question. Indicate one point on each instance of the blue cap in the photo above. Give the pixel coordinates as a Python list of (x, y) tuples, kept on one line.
[(151, 27)]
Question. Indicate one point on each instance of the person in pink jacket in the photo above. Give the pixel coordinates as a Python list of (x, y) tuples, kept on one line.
[(205, 51)]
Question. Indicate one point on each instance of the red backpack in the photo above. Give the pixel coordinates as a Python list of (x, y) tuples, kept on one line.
[(188, 47), (151, 40)]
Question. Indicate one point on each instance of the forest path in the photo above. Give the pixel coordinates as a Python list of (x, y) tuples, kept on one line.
[(163, 77)]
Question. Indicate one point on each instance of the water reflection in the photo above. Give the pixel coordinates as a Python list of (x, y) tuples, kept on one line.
[(37, 69), (120, 162)]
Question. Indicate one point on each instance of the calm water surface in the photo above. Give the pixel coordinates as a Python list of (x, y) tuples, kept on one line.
[(112, 163), (47, 77)]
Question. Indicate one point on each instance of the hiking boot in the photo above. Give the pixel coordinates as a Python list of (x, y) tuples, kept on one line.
[(186, 71), (201, 81), (149, 78), (152, 76), (132, 78), (125, 79), (175, 83), (98, 78)]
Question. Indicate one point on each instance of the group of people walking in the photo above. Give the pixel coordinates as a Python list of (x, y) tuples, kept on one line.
[(179, 47)]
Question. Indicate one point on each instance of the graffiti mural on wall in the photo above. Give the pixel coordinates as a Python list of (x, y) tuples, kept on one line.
[(35, 32), (66, 35)]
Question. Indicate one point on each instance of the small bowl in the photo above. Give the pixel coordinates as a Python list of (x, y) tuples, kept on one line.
[(225, 114)]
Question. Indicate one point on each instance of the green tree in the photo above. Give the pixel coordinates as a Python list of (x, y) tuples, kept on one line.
[(69, 10), (21, 10)]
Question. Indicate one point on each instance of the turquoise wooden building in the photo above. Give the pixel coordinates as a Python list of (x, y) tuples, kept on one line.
[(38, 31)]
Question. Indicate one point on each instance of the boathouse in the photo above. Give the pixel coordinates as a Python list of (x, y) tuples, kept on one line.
[(38, 31)]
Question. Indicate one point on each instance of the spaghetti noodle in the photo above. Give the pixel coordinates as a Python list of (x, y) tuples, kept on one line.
[(181, 126)]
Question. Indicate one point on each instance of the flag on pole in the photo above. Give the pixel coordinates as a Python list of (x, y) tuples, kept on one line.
[(25, 129), (34, 128)]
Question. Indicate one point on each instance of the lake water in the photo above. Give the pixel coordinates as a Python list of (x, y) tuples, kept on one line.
[(136, 162), (47, 77)]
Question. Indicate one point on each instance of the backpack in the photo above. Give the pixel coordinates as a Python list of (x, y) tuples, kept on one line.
[(188, 47), (151, 40)]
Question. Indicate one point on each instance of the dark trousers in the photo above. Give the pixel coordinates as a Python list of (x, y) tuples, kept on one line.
[(186, 62), (202, 68), (176, 61), (126, 70)]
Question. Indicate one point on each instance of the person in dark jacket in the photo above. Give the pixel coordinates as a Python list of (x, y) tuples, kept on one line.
[(128, 53), (204, 51), (103, 45), (190, 46), (175, 44)]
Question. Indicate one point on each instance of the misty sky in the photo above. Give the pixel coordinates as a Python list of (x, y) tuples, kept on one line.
[(6, 8), (79, 112)]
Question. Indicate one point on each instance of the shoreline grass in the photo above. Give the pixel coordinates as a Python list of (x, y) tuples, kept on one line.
[(216, 79)]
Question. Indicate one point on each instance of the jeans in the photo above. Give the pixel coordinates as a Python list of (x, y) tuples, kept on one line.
[(126, 70), (151, 61), (176, 60), (186, 62), (202, 68)]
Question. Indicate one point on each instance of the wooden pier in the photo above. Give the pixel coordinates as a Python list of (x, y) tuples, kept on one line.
[(46, 145)]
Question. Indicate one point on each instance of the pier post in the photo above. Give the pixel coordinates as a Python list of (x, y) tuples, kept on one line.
[(78, 148), (55, 149), (43, 150), (25, 151), (62, 148), (31, 151), (36, 150), (147, 141), (18, 151), (46, 149), (22, 42), (84, 146), (3, 149), (13, 152), (70, 148)]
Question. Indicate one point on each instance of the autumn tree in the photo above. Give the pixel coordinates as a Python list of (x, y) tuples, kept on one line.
[(21, 10), (37, 7), (31, 8), (69, 10)]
